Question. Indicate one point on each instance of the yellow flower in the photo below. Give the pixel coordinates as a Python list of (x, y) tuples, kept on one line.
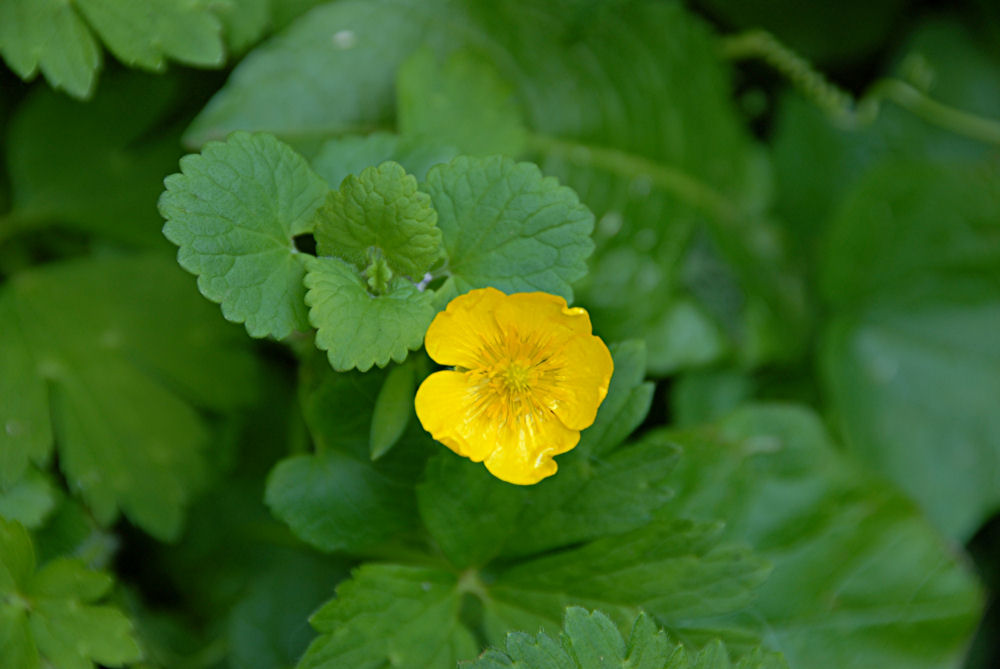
[(528, 376)]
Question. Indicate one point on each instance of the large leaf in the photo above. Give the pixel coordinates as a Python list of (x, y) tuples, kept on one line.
[(911, 361), (105, 354), (860, 578)]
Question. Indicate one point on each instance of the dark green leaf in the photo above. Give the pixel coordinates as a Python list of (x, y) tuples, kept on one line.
[(393, 409)]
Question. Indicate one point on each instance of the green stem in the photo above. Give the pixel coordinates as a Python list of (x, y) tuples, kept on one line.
[(841, 105), (669, 179)]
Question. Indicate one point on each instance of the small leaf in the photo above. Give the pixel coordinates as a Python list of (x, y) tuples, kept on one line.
[(505, 225), (463, 102), (234, 210), (393, 409), (51, 613), (30, 500), (380, 209), (358, 329)]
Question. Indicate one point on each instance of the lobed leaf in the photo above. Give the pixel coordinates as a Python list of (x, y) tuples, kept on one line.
[(505, 225), (234, 211)]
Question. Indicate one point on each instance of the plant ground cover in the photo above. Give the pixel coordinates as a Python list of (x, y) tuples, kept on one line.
[(278, 278)]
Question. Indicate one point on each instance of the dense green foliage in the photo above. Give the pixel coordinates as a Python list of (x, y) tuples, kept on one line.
[(798, 460)]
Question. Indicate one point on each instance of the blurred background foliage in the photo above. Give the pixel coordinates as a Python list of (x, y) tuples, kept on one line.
[(767, 235)]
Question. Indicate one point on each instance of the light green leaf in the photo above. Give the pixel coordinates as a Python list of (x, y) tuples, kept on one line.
[(30, 500), (910, 361), (347, 155), (393, 409), (463, 102), (54, 37), (505, 225), (108, 353), (49, 35), (358, 329), (380, 211), (51, 614), (96, 166), (234, 211), (592, 641), (406, 616), (860, 578)]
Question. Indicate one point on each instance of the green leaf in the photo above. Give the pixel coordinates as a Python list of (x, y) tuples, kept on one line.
[(183, 31), (243, 21), (347, 155), (858, 572), (51, 615), (30, 500), (96, 166), (50, 36), (234, 211), (910, 361), (381, 211), (358, 329), (338, 499), (393, 409), (265, 628), (54, 37), (337, 503), (592, 641), (106, 354), (463, 102), (406, 616), (505, 225)]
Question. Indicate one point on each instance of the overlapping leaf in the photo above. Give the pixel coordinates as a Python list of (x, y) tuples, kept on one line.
[(639, 124), (103, 356)]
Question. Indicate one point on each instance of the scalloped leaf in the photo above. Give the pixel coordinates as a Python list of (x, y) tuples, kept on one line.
[(505, 225), (234, 211), (380, 211), (358, 329)]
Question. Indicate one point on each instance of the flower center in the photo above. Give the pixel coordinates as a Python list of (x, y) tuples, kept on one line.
[(516, 376)]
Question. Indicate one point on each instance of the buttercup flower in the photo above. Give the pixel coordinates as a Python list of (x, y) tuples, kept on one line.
[(528, 376)]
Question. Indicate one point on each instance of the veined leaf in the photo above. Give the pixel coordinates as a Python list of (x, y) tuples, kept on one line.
[(234, 210)]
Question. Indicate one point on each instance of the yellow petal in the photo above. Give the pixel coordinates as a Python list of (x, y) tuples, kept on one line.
[(458, 334), (585, 369), (463, 415), (524, 452)]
